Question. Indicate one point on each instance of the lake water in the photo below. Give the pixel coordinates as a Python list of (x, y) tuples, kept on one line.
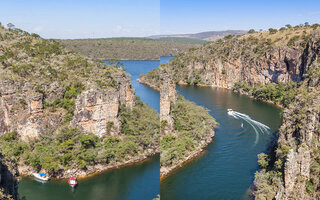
[(227, 168), (135, 182)]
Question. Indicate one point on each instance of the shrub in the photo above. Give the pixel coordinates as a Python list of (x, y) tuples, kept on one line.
[(263, 160), (272, 31), (310, 188)]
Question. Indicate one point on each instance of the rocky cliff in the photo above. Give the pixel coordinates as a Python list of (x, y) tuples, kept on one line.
[(293, 171), (36, 73), (185, 128), (253, 58), (83, 112), (168, 97), (8, 182)]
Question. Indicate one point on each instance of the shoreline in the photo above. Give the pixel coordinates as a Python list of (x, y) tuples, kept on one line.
[(148, 84), (95, 169), (237, 92), (201, 151), (192, 156)]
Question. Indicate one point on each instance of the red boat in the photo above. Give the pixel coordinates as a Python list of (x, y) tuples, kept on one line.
[(72, 181)]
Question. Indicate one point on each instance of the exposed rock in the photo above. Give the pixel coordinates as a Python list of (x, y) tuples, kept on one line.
[(167, 97), (8, 179), (94, 109)]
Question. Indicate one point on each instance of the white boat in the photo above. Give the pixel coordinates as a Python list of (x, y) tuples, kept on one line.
[(230, 111), (41, 176)]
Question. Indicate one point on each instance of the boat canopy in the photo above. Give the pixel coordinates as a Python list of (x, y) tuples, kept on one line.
[(43, 174)]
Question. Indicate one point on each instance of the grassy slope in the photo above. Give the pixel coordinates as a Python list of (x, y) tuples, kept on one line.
[(128, 48)]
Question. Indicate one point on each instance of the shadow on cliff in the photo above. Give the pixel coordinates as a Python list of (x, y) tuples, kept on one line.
[(8, 177)]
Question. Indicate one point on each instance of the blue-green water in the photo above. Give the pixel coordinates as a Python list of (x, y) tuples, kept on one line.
[(136, 182), (227, 169)]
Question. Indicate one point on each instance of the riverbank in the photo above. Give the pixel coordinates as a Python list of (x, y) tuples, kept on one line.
[(25, 170), (235, 91), (167, 171), (148, 84)]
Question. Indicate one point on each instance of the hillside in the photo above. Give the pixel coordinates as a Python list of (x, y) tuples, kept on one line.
[(279, 66), (60, 110), (208, 35), (277, 56), (129, 48), (183, 40)]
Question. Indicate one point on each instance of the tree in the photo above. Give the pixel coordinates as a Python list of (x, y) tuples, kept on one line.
[(306, 23), (288, 26), (263, 160), (10, 26), (228, 37), (272, 31), (251, 31)]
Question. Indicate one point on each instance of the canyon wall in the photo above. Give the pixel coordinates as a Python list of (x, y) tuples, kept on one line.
[(254, 58), (8, 182)]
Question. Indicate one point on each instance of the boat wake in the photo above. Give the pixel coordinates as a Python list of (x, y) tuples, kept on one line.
[(258, 127)]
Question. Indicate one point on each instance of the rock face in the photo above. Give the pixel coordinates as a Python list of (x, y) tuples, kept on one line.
[(247, 59), (167, 98), (8, 182), (41, 91), (96, 108), (22, 110), (302, 140), (295, 174)]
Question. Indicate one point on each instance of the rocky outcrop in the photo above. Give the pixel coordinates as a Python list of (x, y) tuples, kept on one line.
[(8, 180), (94, 109), (176, 117), (167, 99), (22, 110), (294, 170), (41, 97), (253, 58)]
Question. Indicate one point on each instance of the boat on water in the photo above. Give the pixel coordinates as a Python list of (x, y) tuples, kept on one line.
[(41, 176), (73, 181), (230, 111)]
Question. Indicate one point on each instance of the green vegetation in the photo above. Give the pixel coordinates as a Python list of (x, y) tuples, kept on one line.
[(296, 122), (44, 69), (130, 48), (70, 148), (239, 51), (281, 93), (183, 40), (192, 124)]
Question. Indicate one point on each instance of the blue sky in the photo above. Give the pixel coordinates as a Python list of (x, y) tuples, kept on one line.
[(83, 18), (191, 16), (138, 18)]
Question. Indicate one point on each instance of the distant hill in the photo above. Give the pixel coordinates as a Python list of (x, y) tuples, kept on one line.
[(126, 48), (183, 40), (208, 35)]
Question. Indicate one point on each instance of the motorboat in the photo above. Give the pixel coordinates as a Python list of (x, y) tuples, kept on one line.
[(230, 111), (41, 176), (72, 181)]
